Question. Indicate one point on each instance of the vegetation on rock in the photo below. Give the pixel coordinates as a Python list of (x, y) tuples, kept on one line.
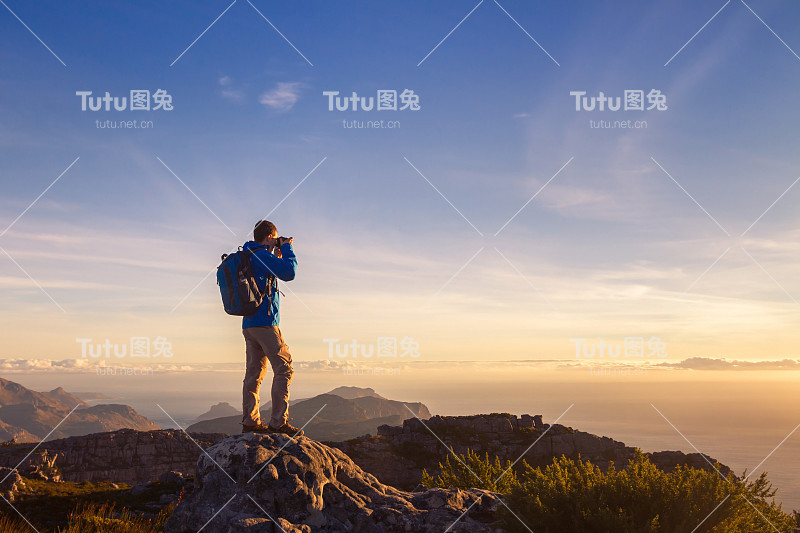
[(572, 495)]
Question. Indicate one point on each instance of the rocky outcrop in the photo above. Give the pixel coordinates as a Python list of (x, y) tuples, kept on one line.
[(398, 454), (273, 483), (10, 483), (124, 456)]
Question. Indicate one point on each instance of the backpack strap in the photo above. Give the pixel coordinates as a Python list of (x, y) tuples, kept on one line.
[(271, 278)]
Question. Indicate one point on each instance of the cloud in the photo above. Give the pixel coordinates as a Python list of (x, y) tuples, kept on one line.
[(283, 96), (708, 363), (89, 365), (22, 282), (228, 91)]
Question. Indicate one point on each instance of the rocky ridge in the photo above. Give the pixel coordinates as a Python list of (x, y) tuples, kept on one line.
[(398, 454), (270, 483), (123, 456)]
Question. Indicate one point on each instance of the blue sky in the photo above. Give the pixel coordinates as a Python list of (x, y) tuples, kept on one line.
[(611, 247)]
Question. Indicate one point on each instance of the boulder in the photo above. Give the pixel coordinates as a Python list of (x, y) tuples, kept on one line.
[(10, 483), (171, 478), (273, 483)]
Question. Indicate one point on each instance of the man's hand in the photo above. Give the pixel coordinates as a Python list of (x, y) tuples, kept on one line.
[(284, 240)]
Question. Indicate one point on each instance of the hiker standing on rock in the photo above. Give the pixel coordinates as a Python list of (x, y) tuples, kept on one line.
[(271, 258)]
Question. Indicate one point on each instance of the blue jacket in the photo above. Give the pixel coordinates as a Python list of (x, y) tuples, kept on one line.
[(265, 264)]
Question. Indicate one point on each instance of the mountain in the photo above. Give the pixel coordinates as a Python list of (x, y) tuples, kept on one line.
[(9, 433), (350, 393), (30, 416), (337, 418), (12, 393), (222, 409), (63, 397)]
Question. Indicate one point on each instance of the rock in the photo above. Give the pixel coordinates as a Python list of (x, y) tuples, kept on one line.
[(397, 455), (42, 466), (138, 490), (171, 478), (10, 483), (265, 483), (123, 456), (166, 499)]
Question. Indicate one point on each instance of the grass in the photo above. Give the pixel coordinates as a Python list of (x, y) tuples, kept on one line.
[(71, 507), (97, 518)]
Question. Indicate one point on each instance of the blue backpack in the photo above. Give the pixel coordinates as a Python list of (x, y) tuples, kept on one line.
[(237, 284)]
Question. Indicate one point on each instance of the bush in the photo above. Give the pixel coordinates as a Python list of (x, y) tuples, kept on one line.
[(470, 471), (576, 496)]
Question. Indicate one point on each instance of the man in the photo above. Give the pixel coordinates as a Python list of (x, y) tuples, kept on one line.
[(273, 258)]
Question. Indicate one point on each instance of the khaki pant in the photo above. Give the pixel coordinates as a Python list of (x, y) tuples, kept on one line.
[(265, 343)]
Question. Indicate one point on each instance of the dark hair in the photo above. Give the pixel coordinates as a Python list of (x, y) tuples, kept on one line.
[(263, 229)]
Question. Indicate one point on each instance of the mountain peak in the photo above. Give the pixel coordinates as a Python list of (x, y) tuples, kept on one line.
[(218, 410), (28, 415), (350, 393)]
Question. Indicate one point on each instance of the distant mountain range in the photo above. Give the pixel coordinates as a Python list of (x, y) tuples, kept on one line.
[(30, 416), (344, 413)]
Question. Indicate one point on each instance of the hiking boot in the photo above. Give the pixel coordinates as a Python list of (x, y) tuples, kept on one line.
[(258, 428), (287, 429)]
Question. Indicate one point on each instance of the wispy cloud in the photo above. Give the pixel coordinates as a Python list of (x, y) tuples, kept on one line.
[(88, 365), (283, 96), (708, 363), (20, 366), (229, 91), (21, 282)]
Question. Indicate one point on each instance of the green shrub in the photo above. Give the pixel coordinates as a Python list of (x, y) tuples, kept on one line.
[(570, 496), (470, 470)]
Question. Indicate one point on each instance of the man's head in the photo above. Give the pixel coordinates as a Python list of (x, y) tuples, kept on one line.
[(264, 231)]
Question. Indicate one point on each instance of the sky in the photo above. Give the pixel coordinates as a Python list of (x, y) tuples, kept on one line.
[(491, 224)]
